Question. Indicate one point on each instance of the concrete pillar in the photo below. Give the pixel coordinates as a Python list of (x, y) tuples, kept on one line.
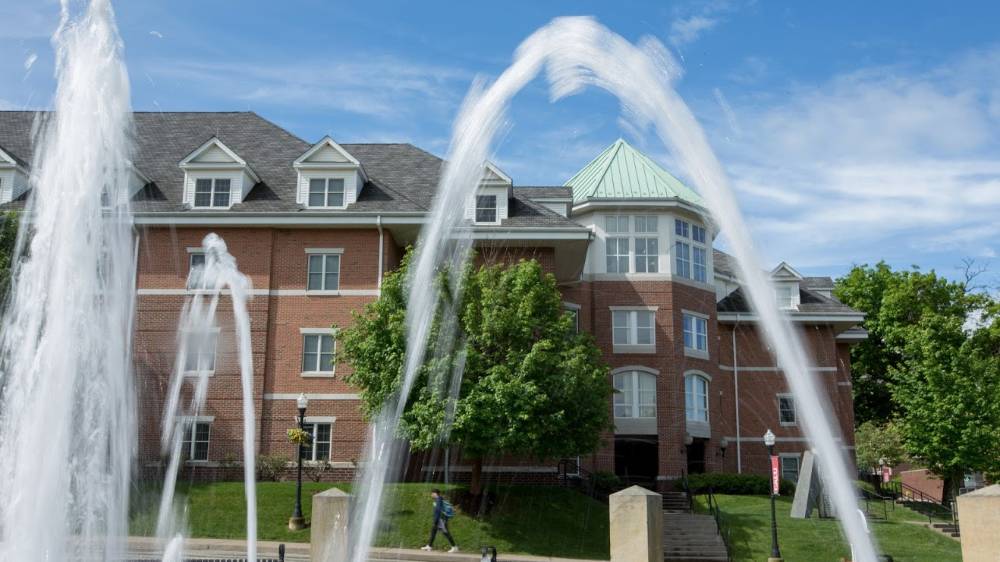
[(636, 525), (979, 523), (331, 513)]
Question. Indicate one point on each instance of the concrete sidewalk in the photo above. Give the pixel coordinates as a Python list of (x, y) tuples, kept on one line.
[(147, 548)]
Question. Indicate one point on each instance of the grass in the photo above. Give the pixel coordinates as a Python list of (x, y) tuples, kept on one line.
[(544, 521), (816, 540)]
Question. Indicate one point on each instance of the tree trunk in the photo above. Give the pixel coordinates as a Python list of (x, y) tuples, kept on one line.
[(476, 479)]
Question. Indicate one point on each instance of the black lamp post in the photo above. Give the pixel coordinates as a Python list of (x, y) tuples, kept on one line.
[(297, 522), (775, 553)]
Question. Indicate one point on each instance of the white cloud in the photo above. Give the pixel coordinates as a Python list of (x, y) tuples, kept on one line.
[(879, 163), (687, 30), (376, 86)]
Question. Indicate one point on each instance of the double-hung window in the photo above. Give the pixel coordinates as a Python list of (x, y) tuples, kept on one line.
[(318, 350), (633, 330), (486, 209), (201, 350), (690, 251), (647, 245), (696, 398), (319, 448), (635, 396), (195, 444), (786, 410), (790, 467), (617, 242), (196, 264), (212, 192), (324, 272), (326, 192), (695, 334), (785, 298)]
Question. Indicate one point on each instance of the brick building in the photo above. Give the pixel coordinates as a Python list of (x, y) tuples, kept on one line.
[(316, 226)]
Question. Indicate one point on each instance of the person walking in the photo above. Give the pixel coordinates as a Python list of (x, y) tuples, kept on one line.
[(443, 512)]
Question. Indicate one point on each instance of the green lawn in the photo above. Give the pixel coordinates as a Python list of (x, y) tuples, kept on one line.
[(544, 521), (815, 540)]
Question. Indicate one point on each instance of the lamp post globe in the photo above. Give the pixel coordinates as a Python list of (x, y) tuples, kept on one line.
[(769, 440), (297, 522)]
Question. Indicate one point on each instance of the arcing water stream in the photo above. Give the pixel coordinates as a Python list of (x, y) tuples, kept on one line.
[(577, 52), (197, 338), (67, 432)]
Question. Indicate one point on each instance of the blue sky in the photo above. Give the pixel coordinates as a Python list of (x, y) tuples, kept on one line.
[(853, 131)]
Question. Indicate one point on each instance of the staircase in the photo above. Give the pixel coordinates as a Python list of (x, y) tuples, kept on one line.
[(687, 536)]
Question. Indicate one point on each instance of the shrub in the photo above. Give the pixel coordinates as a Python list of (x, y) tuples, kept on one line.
[(606, 481), (735, 484), (270, 467), (316, 470)]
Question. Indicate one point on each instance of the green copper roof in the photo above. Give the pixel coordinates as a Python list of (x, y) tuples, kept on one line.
[(622, 172)]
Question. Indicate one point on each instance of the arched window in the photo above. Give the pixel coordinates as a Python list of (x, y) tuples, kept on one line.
[(696, 398), (636, 396)]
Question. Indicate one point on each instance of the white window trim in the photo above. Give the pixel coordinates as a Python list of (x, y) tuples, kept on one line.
[(708, 395), (633, 330), (674, 238), (310, 177), (324, 250), (695, 352), (575, 308), (195, 178), (634, 373), (795, 409), (496, 209), (183, 420), (208, 372), (631, 235), (781, 463), (331, 420), (340, 262), (318, 332)]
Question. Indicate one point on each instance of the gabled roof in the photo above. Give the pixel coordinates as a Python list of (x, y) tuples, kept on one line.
[(214, 153), (326, 153), (622, 172), (785, 271), (492, 175), (8, 160)]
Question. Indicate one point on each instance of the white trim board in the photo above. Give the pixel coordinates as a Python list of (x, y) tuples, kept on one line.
[(294, 396)]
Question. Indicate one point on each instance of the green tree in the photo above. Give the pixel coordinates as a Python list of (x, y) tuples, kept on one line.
[(893, 302), (531, 385), (8, 241), (947, 389), (875, 444)]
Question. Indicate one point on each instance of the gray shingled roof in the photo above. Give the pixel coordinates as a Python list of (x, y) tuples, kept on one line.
[(402, 178), (545, 192)]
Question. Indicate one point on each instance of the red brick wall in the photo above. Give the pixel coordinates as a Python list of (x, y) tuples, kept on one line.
[(275, 260)]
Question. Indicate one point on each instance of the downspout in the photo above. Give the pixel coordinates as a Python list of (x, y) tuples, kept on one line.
[(736, 391), (378, 224)]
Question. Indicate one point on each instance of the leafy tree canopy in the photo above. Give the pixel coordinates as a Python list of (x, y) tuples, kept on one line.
[(531, 384)]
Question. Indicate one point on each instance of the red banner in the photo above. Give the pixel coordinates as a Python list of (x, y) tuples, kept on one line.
[(775, 475)]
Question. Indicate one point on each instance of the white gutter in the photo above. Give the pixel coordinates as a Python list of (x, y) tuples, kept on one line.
[(381, 254), (736, 390)]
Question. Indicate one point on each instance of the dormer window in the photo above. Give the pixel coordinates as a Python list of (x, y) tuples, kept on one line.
[(326, 192), (215, 177), (786, 286), (786, 300), (486, 209), (212, 192)]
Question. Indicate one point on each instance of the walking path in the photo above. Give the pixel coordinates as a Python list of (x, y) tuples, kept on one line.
[(146, 548)]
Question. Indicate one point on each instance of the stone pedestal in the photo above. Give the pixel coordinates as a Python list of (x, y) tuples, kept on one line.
[(329, 536), (979, 522), (636, 525)]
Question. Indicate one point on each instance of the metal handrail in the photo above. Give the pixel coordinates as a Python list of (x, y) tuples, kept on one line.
[(716, 512), (906, 492)]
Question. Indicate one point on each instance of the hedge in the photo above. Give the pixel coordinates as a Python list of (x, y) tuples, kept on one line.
[(735, 484)]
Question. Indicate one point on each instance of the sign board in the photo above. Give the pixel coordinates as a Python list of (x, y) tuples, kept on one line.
[(775, 475), (886, 474)]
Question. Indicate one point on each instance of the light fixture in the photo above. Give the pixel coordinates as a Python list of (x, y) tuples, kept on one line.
[(302, 401), (688, 440), (769, 438)]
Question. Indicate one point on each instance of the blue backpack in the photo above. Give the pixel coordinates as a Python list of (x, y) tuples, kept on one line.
[(447, 510)]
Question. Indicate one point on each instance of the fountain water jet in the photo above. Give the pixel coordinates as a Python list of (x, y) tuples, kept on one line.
[(67, 432), (576, 52), (196, 339)]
